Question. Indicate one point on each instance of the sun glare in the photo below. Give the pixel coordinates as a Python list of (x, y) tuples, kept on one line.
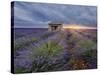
[(72, 27)]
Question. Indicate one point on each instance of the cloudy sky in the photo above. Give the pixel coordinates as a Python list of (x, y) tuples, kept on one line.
[(27, 14)]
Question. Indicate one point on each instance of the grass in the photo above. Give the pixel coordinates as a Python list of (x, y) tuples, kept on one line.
[(87, 44), (44, 55), (47, 35), (21, 70), (50, 48), (76, 63), (19, 45), (89, 55)]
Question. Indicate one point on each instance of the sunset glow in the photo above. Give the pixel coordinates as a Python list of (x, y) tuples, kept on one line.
[(78, 27)]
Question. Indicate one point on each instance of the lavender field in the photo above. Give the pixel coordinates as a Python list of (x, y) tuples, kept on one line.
[(38, 50)]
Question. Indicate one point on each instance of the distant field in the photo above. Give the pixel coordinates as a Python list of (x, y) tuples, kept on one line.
[(37, 50)]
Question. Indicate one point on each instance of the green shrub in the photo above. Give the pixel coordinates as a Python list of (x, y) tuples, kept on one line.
[(89, 55), (43, 56), (87, 44), (50, 48)]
